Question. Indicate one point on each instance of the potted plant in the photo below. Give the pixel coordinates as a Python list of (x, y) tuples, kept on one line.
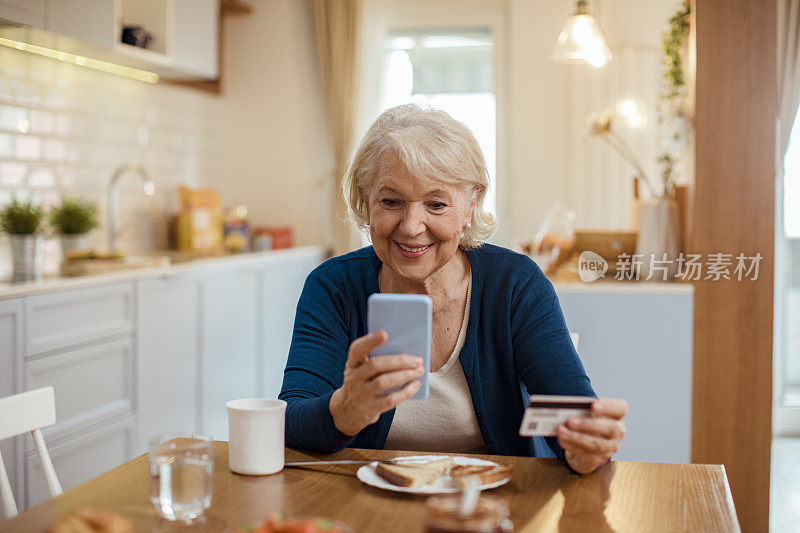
[(72, 221), (24, 223)]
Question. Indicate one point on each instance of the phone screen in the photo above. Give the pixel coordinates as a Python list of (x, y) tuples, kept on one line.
[(407, 320)]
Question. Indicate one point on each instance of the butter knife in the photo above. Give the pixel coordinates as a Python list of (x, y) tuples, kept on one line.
[(301, 464)]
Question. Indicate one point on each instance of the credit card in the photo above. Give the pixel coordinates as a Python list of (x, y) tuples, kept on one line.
[(545, 413)]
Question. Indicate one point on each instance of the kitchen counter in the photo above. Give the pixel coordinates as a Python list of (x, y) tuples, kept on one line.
[(566, 280), (563, 283), (623, 287), (8, 290)]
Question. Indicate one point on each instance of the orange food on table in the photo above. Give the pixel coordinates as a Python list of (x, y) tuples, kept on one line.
[(295, 525), (91, 520)]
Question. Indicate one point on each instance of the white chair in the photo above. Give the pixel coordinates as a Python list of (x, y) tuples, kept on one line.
[(576, 338), (27, 412)]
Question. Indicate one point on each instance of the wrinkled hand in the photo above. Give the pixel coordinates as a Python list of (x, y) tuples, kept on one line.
[(590, 441), (360, 401)]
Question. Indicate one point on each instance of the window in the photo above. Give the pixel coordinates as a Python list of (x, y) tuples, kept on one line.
[(787, 281), (450, 70), (791, 184)]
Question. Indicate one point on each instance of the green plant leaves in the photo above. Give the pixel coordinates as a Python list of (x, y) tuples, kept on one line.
[(74, 216), (22, 218)]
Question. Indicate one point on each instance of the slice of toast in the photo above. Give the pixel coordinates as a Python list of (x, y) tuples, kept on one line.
[(487, 473), (414, 474)]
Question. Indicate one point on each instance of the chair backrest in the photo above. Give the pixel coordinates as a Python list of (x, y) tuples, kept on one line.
[(576, 338), (22, 413)]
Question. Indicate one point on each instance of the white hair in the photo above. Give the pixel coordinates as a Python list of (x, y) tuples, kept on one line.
[(430, 144)]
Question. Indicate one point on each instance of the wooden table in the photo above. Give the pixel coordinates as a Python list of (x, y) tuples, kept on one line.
[(542, 496)]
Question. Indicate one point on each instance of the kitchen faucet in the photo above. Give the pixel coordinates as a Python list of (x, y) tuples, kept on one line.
[(113, 198)]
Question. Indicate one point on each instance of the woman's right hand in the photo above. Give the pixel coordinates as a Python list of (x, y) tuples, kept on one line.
[(360, 401)]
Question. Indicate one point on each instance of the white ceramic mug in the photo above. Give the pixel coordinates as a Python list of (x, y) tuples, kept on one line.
[(255, 432)]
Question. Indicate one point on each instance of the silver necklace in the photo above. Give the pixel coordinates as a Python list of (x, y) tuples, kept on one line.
[(464, 319)]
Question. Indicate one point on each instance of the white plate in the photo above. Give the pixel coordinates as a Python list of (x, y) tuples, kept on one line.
[(443, 485)]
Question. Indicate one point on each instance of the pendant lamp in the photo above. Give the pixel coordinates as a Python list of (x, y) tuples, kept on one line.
[(581, 41)]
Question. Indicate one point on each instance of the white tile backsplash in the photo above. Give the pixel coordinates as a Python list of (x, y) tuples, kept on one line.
[(64, 129)]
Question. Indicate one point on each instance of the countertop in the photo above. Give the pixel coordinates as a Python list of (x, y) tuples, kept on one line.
[(562, 283), (623, 287), (199, 265), (567, 281)]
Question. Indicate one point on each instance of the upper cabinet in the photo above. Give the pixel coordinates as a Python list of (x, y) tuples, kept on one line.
[(29, 12), (195, 33), (183, 34)]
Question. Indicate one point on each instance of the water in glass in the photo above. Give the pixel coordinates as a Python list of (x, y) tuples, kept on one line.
[(180, 475)]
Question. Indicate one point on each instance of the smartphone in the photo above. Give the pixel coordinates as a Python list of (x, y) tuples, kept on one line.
[(407, 319)]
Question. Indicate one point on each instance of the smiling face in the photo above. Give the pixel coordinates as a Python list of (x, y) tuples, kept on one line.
[(415, 223)]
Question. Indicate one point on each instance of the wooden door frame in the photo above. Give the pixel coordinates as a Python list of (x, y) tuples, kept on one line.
[(733, 211)]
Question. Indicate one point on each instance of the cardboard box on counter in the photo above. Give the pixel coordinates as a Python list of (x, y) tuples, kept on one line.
[(199, 224)]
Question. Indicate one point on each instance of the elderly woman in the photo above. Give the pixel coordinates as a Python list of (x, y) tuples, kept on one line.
[(417, 184)]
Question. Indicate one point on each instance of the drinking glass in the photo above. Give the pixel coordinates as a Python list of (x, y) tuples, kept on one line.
[(181, 465)]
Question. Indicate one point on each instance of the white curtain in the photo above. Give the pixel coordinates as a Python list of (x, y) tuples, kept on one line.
[(336, 25), (788, 68)]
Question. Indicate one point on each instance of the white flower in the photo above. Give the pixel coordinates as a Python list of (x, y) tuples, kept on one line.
[(599, 123)]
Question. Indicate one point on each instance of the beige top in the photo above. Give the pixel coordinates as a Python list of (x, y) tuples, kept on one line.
[(444, 421)]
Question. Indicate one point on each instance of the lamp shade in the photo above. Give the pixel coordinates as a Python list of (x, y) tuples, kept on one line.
[(581, 40)]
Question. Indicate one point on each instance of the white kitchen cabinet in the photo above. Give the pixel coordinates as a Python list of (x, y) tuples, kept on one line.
[(230, 362), (184, 33), (87, 20), (62, 319), (80, 343), (11, 312), (79, 459), (636, 344), (167, 339), (93, 385), (151, 352), (281, 288), (195, 37), (29, 12)]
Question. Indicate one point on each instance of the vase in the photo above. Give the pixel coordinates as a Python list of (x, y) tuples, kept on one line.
[(658, 243), (74, 242), (27, 253)]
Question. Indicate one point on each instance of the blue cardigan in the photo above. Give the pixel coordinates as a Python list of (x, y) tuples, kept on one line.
[(516, 341)]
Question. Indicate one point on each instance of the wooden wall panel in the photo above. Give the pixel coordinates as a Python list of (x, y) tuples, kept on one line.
[(733, 212)]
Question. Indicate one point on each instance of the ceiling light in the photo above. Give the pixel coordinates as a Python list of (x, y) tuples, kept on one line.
[(581, 41)]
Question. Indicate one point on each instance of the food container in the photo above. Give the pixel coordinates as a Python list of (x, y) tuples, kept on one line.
[(262, 239), (282, 237), (236, 230), (199, 224), (490, 516)]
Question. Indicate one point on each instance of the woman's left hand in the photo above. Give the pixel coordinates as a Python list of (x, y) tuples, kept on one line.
[(590, 441)]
